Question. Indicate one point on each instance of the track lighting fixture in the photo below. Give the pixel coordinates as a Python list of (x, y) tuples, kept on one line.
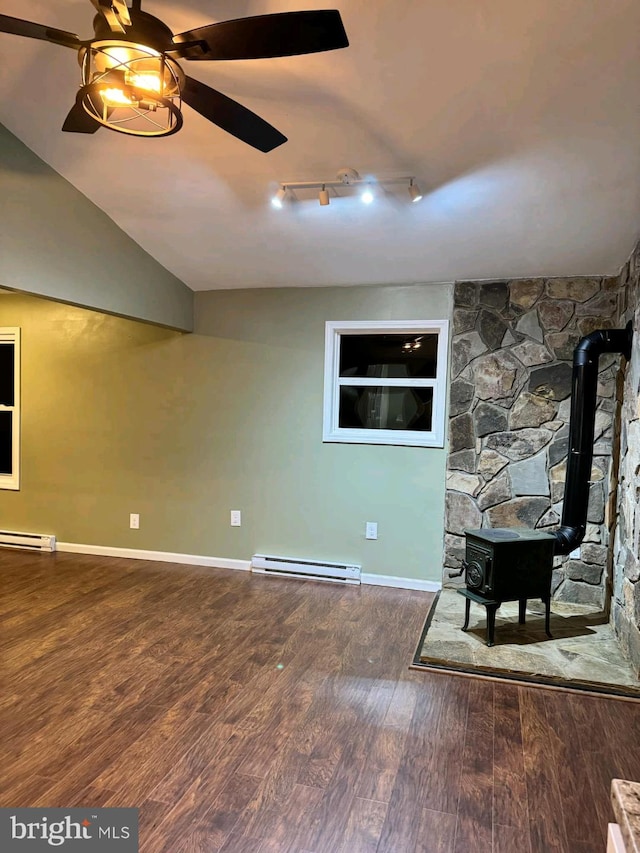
[(346, 183)]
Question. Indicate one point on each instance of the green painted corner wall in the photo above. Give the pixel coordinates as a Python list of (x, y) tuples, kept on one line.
[(56, 243), (123, 417)]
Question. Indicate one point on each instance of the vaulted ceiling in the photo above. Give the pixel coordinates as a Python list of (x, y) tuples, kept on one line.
[(521, 121)]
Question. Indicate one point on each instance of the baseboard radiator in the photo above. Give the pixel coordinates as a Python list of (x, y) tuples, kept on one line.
[(292, 567), (27, 541)]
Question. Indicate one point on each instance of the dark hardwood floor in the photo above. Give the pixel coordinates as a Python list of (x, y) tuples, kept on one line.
[(257, 715)]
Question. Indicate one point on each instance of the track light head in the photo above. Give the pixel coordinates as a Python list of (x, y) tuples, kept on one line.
[(323, 196), (414, 191), (279, 198)]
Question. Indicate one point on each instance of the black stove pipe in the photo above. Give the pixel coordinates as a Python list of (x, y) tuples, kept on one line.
[(581, 431)]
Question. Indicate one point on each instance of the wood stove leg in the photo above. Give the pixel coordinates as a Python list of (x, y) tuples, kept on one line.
[(547, 616), (522, 609), (467, 608), (491, 622)]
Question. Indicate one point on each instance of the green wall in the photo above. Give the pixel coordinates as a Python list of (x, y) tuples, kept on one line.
[(123, 417), (55, 243)]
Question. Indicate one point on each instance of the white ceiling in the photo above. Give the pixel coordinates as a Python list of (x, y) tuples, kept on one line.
[(521, 121)]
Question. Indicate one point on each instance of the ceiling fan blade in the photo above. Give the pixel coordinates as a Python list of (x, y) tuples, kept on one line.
[(78, 120), (231, 116), (30, 30), (266, 36)]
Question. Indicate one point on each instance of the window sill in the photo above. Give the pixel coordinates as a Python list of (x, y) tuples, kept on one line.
[(395, 437)]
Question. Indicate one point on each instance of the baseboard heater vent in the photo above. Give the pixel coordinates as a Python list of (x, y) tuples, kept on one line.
[(27, 541), (292, 567)]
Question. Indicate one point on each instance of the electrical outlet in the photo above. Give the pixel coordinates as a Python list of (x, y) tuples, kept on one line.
[(134, 521), (236, 518), (371, 530)]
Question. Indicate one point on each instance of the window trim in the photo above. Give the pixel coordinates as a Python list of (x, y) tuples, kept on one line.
[(11, 334), (331, 432)]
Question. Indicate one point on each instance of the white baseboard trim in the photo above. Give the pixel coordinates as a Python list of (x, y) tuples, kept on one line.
[(401, 583), (225, 563), (158, 556)]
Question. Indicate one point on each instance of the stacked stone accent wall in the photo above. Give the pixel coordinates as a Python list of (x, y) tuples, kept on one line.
[(509, 407), (625, 605)]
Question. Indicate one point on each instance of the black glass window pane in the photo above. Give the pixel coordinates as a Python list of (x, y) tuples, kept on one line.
[(407, 356), (7, 374), (6, 442), (386, 408)]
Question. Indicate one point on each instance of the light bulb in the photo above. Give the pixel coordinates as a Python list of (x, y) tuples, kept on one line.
[(114, 56), (116, 98), (149, 81), (367, 196)]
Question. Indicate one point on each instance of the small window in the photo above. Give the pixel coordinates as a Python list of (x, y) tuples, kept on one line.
[(9, 408), (385, 382)]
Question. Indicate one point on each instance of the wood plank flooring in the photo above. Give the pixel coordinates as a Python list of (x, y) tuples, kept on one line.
[(249, 714)]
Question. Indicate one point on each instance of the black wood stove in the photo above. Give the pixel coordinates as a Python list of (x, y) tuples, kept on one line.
[(516, 564), (507, 565)]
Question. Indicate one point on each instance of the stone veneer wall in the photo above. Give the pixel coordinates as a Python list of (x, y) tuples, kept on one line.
[(625, 606), (509, 407)]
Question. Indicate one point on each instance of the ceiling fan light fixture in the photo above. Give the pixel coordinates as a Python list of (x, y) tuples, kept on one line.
[(131, 88), (415, 193)]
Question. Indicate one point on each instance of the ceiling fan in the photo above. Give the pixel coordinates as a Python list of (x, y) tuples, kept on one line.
[(132, 82)]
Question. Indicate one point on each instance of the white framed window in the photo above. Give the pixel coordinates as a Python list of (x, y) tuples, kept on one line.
[(385, 382), (9, 408)]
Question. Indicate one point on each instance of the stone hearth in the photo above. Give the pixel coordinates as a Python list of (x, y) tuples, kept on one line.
[(583, 649)]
